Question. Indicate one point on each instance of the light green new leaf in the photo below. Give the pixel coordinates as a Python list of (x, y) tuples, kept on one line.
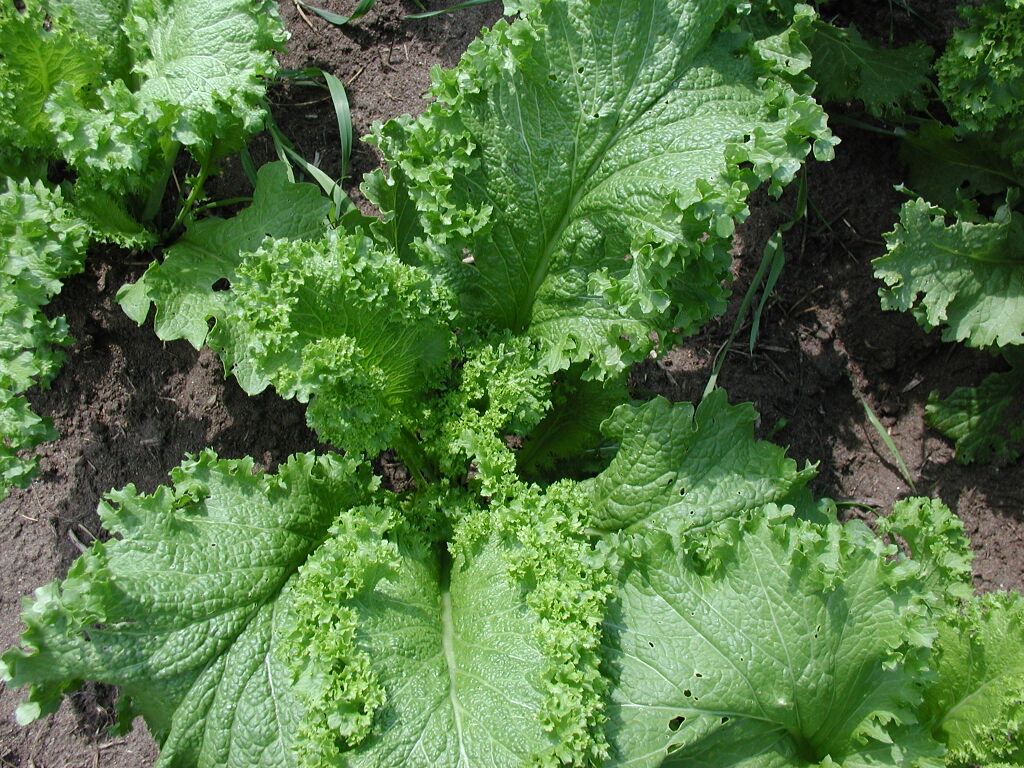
[(352, 329), (37, 53), (976, 705), (501, 391), (684, 472), (886, 81), (181, 286), (981, 420), (966, 277), (937, 542), (43, 243), (582, 169), (800, 649), (182, 611)]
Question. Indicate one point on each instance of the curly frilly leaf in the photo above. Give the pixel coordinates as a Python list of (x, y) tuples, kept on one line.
[(181, 287), (937, 543), (349, 328), (43, 243), (501, 391), (184, 610), (117, 88), (976, 705), (966, 277), (981, 73), (802, 648), (101, 21), (580, 172)]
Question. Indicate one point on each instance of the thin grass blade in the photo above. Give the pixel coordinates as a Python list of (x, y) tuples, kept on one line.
[(889, 443), (344, 116), (776, 253), (450, 9), (338, 19), (741, 316), (248, 166)]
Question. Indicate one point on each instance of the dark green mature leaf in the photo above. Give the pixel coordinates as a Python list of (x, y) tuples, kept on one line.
[(569, 439), (886, 81), (983, 421), (947, 169), (305, 618)]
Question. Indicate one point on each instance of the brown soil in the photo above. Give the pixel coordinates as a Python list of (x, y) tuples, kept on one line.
[(129, 407)]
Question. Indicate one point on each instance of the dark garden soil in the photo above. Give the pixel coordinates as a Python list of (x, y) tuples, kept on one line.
[(129, 407)]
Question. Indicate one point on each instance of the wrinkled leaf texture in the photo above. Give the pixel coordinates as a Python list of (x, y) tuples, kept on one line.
[(309, 618)]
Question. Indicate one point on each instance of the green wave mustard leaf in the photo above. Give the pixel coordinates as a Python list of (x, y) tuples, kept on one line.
[(485, 647), (976, 705), (122, 138), (966, 277), (802, 648), (182, 609), (947, 167), (937, 542), (101, 20), (181, 287), (683, 471), (38, 53), (580, 171)]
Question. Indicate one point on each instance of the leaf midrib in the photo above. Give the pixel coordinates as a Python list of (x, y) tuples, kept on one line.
[(540, 270), (448, 646)]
